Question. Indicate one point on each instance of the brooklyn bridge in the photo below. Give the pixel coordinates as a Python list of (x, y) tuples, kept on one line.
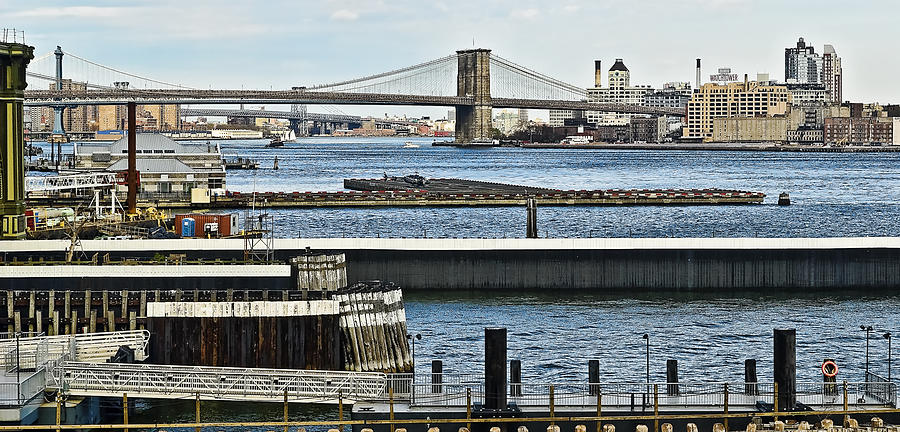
[(472, 81)]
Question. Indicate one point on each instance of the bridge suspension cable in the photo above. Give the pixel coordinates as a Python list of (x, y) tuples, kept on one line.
[(91, 75), (510, 80), (433, 78)]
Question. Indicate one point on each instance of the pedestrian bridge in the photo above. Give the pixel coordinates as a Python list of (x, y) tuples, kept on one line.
[(216, 383)]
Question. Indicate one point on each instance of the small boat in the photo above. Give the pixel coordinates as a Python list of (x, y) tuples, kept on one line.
[(410, 144), (275, 143)]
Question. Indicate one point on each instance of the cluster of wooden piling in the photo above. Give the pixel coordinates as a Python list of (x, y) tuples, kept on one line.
[(71, 312), (373, 328), (319, 272)]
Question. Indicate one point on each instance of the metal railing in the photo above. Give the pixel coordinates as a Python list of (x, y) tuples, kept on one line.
[(90, 347), (451, 390), (18, 393), (163, 381)]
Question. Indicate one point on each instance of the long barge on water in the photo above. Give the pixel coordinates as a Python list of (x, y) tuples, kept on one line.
[(417, 191)]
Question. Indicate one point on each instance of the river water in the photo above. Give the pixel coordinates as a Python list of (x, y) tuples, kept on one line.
[(555, 334), (833, 194)]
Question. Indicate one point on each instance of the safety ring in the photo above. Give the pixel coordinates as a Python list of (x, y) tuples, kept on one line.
[(829, 369)]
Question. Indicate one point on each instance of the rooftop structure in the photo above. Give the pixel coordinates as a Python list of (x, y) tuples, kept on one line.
[(165, 165)]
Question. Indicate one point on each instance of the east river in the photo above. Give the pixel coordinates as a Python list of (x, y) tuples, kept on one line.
[(555, 334)]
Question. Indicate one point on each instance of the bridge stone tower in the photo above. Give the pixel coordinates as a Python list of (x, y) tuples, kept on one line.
[(473, 123), (14, 58)]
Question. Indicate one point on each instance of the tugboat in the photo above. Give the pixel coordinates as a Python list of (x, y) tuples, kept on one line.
[(276, 142)]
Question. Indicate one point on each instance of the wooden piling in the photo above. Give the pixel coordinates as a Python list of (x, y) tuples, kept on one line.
[(672, 377), (785, 367), (594, 376), (750, 382), (515, 378)]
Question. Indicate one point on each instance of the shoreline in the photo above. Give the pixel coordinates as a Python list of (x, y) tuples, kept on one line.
[(693, 147)]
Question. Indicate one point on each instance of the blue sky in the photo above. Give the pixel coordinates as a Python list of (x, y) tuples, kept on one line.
[(278, 44)]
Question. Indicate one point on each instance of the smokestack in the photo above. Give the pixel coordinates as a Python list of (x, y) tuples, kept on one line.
[(746, 83), (698, 73), (598, 74)]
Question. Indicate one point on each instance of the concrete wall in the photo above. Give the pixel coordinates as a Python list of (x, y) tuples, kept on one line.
[(603, 264), (620, 270)]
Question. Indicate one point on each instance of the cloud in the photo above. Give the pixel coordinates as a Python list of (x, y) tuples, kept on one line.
[(345, 15), (529, 13), (74, 12)]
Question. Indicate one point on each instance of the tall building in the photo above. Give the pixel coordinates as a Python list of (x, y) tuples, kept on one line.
[(832, 75), (802, 65), (738, 99), (111, 117), (672, 95), (619, 91)]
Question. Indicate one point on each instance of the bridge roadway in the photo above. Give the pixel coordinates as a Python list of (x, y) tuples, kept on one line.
[(306, 97), (286, 115)]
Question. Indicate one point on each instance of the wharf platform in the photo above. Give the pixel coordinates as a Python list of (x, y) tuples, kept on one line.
[(604, 264)]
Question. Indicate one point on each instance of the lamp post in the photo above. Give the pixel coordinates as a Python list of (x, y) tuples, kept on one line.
[(867, 329), (888, 337), (413, 339)]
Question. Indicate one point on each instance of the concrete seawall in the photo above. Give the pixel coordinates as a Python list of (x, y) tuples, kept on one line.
[(602, 264)]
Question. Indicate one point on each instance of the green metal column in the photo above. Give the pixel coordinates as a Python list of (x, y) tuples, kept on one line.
[(14, 58)]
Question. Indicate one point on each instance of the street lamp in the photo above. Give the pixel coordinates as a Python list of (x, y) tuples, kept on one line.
[(888, 337), (867, 329), (413, 339)]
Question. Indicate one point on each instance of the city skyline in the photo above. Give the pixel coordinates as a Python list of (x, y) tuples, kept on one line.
[(203, 44)]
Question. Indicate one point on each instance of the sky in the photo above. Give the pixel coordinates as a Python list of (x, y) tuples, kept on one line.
[(283, 43)]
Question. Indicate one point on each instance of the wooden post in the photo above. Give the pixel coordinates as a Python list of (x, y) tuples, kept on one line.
[(67, 307), (785, 367), (125, 410), (775, 397), (672, 377), (599, 410), (51, 308), (725, 401), (469, 407), (594, 376), (142, 309), (10, 305), (285, 409), (391, 401), (437, 376), (31, 306), (656, 407), (515, 378), (197, 409), (552, 405), (750, 381), (340, 411), (846, 403), (58, 407)]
